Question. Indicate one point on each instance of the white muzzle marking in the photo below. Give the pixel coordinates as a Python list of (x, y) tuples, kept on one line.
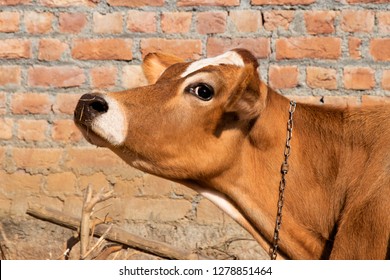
[(229, 58), (112, 124)]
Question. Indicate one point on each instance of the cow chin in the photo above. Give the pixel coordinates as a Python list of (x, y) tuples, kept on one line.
[(92, 137)]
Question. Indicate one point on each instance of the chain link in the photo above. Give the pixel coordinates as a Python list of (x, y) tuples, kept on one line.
[(284, 170)]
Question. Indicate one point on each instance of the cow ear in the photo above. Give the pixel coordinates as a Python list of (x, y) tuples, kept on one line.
[(246, 99), (155, 64)]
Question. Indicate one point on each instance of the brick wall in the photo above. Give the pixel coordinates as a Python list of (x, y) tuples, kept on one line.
[(52, 51)]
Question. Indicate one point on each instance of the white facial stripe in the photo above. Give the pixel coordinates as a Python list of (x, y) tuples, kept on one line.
[(112, 124), (230, 58)]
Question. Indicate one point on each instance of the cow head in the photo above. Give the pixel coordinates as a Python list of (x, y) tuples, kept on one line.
[(188, 123)]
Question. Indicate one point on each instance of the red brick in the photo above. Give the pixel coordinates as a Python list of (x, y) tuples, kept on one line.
[(20, 182), (354, 45), (104, 77), (68, 3), (211, 22), (66, 103), (3, 103), (15, 48), (368, 100), (32, 130), (342, 101), (72, 22), (357, 20), (96, 180), (60, 183), (368, 1), (383, 22), (14, 2), (102, 49), (37, 158), (133, 76), (66, 131), (283, 76), (187, 49), (140, 21), (307, 99), (155, 187), (123, 188), (359, 78), (339, 101), (318, 77), (176, 22), (55, 76), (187, 3), (111, 23), (96, 158), (308, 47), (10, 75), (277, 19), (320, 22), (246, 20), (9, 21), (136, 3), (30, 103), (282, 2), (51, 49), (6, 127), (380, 49), (38, 23), (260, 47), (386, 79)]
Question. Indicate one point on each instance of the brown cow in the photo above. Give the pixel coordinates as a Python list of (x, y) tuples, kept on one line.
[(214, 126)]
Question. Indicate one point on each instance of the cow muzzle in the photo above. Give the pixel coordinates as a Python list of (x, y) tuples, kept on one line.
[(98, 115)]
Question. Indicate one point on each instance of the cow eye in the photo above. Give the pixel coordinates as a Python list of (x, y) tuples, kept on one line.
[(204, 92)]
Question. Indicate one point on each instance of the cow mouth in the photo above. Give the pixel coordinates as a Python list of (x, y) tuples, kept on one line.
[(88, 133)]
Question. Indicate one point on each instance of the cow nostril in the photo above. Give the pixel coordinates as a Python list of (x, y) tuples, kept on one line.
[(89, 107), (99, 105)]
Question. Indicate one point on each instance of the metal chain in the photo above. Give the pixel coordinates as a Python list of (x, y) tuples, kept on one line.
[(284, 170)]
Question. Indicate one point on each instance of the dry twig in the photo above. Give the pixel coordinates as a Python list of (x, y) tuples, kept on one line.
[(115, 235), (97, 244), (88, 206), (106, 252)]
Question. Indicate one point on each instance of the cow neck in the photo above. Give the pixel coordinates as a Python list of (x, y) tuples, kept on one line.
[(269, 140), (252, 182), (312, 179)]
